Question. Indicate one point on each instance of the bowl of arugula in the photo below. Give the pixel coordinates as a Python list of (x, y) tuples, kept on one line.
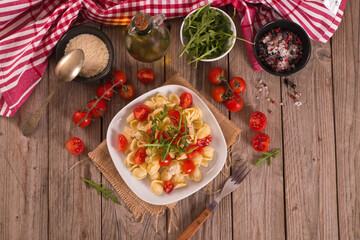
[(207, 34)]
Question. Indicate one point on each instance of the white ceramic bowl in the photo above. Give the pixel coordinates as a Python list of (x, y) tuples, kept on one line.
[(231, 40), (142, 187)]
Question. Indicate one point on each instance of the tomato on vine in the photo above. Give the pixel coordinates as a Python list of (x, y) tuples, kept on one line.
[(237, 84), (100, 109), (80, 115), (234, 104), (218, 93), (215, 75), (128, 92), (104, 91), (119, 78)]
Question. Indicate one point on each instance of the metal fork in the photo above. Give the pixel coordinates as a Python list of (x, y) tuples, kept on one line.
[(231, 184)]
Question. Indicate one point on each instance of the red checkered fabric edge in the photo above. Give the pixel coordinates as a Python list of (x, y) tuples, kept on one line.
[(30, 29)]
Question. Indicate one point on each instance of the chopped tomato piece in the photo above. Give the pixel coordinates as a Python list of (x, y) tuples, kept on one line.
[(122, 142), (140, 156)]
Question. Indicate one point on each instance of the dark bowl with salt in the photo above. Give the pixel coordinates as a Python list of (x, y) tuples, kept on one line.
[(282, 47), (80, 30)]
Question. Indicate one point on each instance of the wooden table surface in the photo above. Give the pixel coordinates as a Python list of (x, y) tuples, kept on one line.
[(311, 191)]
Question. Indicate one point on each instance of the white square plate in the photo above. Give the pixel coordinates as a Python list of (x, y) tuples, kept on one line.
[(142, 187)]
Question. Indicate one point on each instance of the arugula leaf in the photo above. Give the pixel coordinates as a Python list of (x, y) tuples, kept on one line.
[(102, 190), (267, 157)]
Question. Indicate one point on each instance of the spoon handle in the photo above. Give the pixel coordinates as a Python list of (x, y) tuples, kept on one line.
[(33, 121)]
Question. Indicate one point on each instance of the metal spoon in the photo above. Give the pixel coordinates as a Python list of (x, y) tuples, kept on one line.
[(66, 70)]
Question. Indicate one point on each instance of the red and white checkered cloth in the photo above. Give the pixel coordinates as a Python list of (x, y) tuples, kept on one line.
[(30, 29)]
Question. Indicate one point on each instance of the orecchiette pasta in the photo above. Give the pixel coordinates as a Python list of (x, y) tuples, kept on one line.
[(167, 136)]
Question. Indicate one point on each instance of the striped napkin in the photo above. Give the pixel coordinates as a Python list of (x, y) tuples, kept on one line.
[(30, 29)]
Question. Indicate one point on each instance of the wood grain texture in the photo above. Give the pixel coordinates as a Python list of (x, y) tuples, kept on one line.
[(346, 76), (219, 225), (258, 203), (117, 221), (24, 172), (75, 209), (195, 225), (309, 151)]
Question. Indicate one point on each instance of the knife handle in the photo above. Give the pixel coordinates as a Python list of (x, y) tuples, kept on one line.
[(195, 225)]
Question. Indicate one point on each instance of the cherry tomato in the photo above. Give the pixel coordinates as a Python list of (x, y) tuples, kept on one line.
[(174, 116), (140, 156), (149, 132), (75, 146), (168, 186), (257, 121), (237, 84), (100, 109), (204, 141), (128, 92), (189, 166), (178, 136), (145, 75), (100, 91), (196, 150), (186, 100), (163, 134), (122, 143), (80, 115), (119, 78), (215, 75), (217, 93), (233, 104), (141, 112), (166, 162), (261, 142)]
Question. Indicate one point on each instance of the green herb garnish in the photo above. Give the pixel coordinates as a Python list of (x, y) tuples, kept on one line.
[(206, 35), (106, 193), (177, 142), (267, 157)]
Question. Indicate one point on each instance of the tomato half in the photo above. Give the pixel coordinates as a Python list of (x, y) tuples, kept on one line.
[(168, 186), (141, 112), (257, 121), (215, 75), (261, 142), (189, 166), (122, 142), (217, 93), (75, 146), (145, 75), (166, 162), (100, 91), (80, 115), (186, 100), (195, 150), (119, 78), (174, 116), (234, 105), (203, 142), (162, 134), (140, 156), (100, 109), (127, 92), (237, 84)]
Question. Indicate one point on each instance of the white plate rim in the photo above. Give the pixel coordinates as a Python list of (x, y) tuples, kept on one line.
[(124, 172)]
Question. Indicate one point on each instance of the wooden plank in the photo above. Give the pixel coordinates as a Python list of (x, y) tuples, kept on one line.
[(117, 221), (309, 151), (23, 172), (75, 209), (258, 204), (219, 225), (346, 57)]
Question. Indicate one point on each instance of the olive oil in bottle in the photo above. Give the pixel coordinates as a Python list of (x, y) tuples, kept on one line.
[(147, 38)]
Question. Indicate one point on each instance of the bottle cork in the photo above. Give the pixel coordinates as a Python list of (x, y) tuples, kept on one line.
[(141, 23)]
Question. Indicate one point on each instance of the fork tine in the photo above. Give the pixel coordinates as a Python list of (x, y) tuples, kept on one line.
[(242, 178), (239, 175), (237, 171)]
